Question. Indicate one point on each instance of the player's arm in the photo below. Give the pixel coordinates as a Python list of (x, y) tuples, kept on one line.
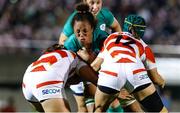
[(86, 72), (86, 55), (156, 77), (111, 21), (150, 65), (62, 38), (67, 29), (116, 26), (83, 72), (96, 64)]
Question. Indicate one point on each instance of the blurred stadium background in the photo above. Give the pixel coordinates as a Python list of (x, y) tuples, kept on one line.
[(29, 26)]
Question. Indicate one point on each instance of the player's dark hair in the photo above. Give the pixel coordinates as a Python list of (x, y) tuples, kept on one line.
[(83, 14), (53, 48)]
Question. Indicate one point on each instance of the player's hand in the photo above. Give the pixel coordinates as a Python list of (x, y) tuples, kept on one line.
[(161, 83), (83, 53)]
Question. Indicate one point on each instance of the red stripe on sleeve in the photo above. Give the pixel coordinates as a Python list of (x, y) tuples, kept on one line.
[(149, 54), (140, 47)]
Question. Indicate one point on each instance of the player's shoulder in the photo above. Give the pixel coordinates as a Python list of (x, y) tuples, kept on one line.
[(105, 12), (111, 37), (104, 9), (143, 43)]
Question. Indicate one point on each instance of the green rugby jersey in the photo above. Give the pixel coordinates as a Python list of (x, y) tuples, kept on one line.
[(104, 20), (72, 43)]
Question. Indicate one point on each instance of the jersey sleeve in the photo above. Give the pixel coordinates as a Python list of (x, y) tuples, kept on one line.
[(103, 51), (98, 39), (149, 62), (148, 57), (108, 16), (72, 43), (68, 29)]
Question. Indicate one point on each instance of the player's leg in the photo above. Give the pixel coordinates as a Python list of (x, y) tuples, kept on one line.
[(115, 107), (55, 105), (27, 92), (112, 78), (90, 104), (128, 102), (133, 107), (37, 106), (78, 93), (149, 98), (103, 99), (144, 91), (80, 101), (89, 92)]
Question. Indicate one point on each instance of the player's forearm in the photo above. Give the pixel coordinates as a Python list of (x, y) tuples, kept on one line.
[(156, 77), (88, 74), (116, 26), (62, 38), (96, 64)]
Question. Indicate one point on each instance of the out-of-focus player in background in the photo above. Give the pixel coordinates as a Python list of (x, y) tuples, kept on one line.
[(122, 66), (45, 79)]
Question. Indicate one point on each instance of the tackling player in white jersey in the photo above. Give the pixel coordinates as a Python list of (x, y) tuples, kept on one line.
[(121, 66), (45, 79)]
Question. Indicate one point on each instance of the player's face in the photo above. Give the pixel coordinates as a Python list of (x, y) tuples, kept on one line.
[(84, 32), (95, 6)]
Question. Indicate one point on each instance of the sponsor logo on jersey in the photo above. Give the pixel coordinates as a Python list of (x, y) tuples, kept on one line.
[(50, 91), (103, 27), (141, 77)]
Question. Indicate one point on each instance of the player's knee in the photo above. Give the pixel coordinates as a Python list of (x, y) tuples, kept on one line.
[(152, 103)]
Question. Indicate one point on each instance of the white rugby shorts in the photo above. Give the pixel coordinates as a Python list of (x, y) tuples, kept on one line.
[(118, 75)]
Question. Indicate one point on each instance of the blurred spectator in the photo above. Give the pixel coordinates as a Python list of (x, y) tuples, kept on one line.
[(22, 21), (8, 106)]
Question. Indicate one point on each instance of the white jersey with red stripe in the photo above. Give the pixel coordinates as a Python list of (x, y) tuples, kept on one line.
[(141, 48), (46, 77), (148, 58), (122, 63)]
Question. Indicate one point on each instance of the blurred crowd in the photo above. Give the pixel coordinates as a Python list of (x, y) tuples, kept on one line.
[(23, 21)]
